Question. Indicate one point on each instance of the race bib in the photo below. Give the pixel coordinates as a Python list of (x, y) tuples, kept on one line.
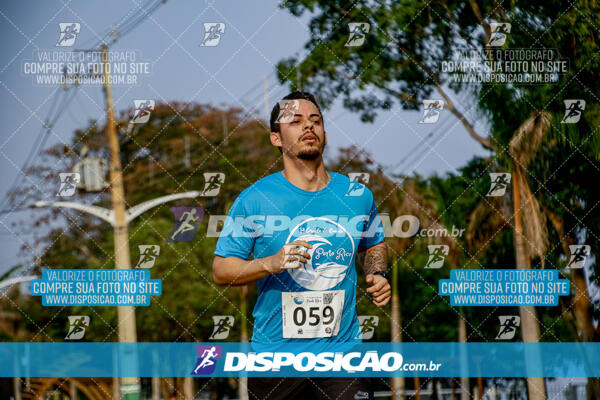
[(311, 314)]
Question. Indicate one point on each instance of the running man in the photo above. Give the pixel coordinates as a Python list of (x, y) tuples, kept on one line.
[(186, 223), (304, 269), (207, 359), (215, 182), (78, 326), (574, 110)]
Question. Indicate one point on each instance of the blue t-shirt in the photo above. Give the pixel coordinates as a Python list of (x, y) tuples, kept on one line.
[(338, 221)]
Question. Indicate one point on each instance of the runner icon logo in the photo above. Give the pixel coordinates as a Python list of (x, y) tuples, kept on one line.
[(358, 33), (437, 253), (287, 110), (186, 223), (207, 359), (579, 254), (499, 33), (367, 323), (68, 183), (573, 110), (431, 111), (499, 183), (360, 395), (212, 183), (357, 184), (212, 33), (508, 326), (148, 254), (77, 325), (68, 33), (143, 109), (222, 327)]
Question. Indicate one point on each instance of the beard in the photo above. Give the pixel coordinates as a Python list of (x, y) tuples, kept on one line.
[(310, 153)]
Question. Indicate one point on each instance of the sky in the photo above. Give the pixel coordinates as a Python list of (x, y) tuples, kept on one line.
[(229, 74)]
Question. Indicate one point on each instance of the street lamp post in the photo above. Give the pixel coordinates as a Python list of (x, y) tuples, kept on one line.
[(130, 388)]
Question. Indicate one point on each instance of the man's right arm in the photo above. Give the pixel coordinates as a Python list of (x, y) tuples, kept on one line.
[(234, 271)]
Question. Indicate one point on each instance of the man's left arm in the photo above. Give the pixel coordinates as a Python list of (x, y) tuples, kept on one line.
[(374, 259)]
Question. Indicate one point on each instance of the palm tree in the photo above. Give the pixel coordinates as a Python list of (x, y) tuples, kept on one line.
[(530, 232), (411, 199)]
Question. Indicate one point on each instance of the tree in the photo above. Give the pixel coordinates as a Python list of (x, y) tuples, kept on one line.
[(402, 59), (399, 62)]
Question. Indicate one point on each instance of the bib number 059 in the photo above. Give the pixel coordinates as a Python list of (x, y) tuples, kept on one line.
[(311, 314), (314, 317)]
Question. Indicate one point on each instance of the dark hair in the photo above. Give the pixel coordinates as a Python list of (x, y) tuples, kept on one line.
[(292, 96)]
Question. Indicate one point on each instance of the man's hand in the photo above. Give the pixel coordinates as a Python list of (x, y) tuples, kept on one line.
[(379, 289), (291, 255)]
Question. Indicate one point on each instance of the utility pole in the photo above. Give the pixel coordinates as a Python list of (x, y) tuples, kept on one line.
[(267, 99), (186, 160), (126, 328)]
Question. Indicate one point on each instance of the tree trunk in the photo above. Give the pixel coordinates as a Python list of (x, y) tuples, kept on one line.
[(155, 388), (168, 387), (243, 380), (529, 322), (72, 390), (465, 390), (397, 383), (116, 388), (581, 300), (417, 384), (17, 388), (188, 388)]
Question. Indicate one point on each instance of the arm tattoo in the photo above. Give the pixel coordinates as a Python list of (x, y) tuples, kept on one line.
[(375, 259)]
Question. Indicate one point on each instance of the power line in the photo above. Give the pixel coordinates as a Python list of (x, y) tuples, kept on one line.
[(124, 25), (127, 26), (57, 108), (434, 142)]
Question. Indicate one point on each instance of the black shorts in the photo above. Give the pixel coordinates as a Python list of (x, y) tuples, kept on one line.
[(310, 388)]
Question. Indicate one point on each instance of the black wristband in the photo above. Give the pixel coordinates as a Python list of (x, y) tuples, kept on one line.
[(382, 273)]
